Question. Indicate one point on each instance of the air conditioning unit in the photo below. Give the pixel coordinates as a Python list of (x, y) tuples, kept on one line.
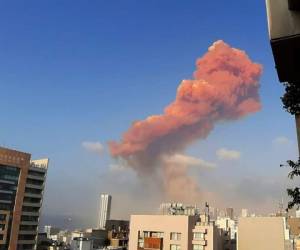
[(284, 31)]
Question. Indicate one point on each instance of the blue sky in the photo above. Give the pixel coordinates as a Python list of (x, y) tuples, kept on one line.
[(75, 71)]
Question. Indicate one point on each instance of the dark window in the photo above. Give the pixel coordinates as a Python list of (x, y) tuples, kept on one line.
[(28, 228), (30, 209), (27, 237), (29, 218), (4, 206), (2, 217), (33, 191), (34, 173), (32, 200), (35, 182)]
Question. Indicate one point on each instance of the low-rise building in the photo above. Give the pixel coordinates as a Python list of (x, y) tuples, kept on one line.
[(173, 232), (261, 233), (82, 243)]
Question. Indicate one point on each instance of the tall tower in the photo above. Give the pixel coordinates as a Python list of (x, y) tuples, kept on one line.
[(22, 184), (244, 212), (230, 213), (105, 207)]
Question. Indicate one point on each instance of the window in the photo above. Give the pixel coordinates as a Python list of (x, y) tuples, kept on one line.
[(29, 218), (33, 191), (175, 236), (198, 236), (35, 173), (175, 247), (32, 200), (5, 206), (2, 217), (198, 247), (30, 209), (28, 228)]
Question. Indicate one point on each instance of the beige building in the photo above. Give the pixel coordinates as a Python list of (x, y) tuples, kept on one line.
[(261, 233), (173, 232), (294, 226)]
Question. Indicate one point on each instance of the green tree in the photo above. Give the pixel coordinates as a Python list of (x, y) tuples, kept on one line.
[(291, 103)]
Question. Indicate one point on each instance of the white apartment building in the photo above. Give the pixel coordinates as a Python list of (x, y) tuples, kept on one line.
[(228, 225), (245, 212)]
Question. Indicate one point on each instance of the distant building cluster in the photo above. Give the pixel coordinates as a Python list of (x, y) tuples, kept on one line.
[(177, 226), (110, 233)]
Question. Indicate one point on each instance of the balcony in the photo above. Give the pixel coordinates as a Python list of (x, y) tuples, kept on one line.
[(38, 169), (31, 213), (30, 223), (33, 195), (30, 204), (27, 232), (200, 230), (7, 182), (152, 243), (5, 201), (26, 242), (35, 177), (34, 186), (200, 242)]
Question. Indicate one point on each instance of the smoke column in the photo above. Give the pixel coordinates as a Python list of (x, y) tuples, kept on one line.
[(225, 88)]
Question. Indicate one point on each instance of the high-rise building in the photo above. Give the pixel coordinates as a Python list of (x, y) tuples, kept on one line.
[(21, 192), (105, 207), (229, 213), (245, 212)]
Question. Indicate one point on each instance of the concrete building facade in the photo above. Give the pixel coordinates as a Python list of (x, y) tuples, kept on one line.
[(261, 233), (21, 191), (173, 232), (105, 207)]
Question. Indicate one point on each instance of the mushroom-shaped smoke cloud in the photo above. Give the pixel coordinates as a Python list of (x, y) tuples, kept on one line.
[(225, 87)]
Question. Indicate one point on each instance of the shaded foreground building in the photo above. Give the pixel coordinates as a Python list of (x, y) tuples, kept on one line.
[(21, 193)]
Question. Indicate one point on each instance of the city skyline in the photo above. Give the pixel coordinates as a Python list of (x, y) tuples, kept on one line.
[(75, 77)]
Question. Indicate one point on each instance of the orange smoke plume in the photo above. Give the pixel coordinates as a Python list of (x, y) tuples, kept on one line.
[(225, 87)]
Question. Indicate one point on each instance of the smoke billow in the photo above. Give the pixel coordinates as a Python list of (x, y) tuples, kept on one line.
[(225, 87)]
